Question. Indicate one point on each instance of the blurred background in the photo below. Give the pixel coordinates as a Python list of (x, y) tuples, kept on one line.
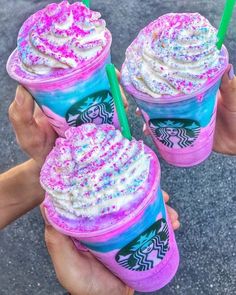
[(204, 196)]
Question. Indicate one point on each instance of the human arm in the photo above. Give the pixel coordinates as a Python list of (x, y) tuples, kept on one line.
[(20, 191)]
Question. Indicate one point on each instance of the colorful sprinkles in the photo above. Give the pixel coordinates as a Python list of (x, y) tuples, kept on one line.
[(176, 54), (61, 36)]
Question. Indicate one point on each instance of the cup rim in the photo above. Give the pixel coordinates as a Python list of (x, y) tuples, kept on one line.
[(165, 99), (48, 80)]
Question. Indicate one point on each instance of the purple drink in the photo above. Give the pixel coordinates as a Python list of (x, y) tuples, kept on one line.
[(60, 58), (104, 191), (173, 70)]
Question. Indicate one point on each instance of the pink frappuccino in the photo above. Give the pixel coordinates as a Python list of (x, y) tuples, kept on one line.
[(61, 55), (173, 70), (104, 191)]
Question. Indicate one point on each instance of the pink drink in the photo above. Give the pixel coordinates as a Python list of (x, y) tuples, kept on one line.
[(126, 228), (173, 70), (61, 58), (182, 135)]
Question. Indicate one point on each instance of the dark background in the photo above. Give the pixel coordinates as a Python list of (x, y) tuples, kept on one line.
[(205, 196)]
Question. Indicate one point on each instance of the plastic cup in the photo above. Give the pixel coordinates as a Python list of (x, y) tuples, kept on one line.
[(141, 249), (182, 127), (80, 96)]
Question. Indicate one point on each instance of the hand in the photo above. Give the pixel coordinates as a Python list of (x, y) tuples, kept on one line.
[(80, 273), (225, 134), (33, 132)]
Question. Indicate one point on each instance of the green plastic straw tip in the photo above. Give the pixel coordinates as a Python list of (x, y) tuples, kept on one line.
[(86, 2), (224, 24), (116, 93)]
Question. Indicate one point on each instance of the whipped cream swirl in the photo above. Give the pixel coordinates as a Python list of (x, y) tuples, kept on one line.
[(176, 54), (95, 171), (61, 36)]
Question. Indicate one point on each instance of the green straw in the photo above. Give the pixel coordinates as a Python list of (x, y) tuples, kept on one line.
[(86, 2), (227, 14), (116, 93)]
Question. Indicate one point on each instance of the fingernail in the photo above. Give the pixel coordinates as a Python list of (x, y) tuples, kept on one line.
[(231, 73), (144, 127), (42, 209), (46, 221), (19, 96), (129, 291), (48, 227)]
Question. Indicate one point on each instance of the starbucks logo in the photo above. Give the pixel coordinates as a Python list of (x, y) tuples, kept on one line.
[(175, 133), (97, 108), (147, 250)]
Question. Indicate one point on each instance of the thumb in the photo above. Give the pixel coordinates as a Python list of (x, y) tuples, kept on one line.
[(72, 268), (62, 252), (65, 258), (21, 113), (59, 246), (55, 241), (228, 75), (228, 89)]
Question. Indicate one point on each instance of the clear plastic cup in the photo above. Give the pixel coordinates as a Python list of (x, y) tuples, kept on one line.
[(182, 127), (141, 249), (80, 96)]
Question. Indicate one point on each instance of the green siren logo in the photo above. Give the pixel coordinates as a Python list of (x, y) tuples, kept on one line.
[(97, 108), (175, 133), (147, 250)]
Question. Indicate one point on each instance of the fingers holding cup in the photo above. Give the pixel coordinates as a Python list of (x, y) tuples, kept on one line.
[(33, 132)]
